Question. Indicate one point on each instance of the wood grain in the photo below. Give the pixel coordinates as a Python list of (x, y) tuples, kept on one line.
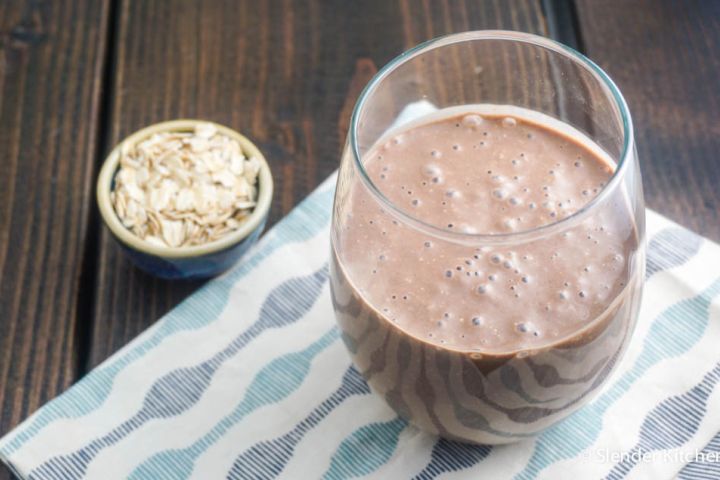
[(49, 105), (665, 57), (286, 73)]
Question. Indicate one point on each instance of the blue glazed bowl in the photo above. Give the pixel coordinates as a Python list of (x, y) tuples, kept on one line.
[(198, 261)]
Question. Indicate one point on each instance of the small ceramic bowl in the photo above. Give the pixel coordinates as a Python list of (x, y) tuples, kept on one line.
[(200, 261)]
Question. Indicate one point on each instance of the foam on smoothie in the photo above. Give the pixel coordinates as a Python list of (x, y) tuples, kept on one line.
[(485, 171)]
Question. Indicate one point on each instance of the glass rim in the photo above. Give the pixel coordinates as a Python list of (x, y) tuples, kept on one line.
[(496, 238)]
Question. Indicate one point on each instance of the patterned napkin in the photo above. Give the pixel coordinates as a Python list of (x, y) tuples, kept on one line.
[(248, 379)]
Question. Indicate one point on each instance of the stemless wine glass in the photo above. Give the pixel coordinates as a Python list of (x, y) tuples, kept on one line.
[(380, 249)]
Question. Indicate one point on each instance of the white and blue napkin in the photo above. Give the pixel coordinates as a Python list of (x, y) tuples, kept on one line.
[(248, 378)]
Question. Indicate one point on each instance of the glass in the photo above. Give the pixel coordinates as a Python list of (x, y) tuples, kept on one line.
[(487, 393)]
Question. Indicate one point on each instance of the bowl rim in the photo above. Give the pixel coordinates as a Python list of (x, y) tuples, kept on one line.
[(126, 237)]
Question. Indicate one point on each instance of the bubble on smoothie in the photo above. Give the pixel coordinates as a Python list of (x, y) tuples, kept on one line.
[(482, 288), (431, 170), (496, 258), (448, 273), (452, 193), (509, 122), (477, 320), (472, 120), (563, 295), (524, 327), (415, 202), (435, 153), (514, 201), (456, 147), (428, 244), (499, 193)]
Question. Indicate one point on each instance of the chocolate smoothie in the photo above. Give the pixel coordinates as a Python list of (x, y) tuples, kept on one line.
[(485, 339)]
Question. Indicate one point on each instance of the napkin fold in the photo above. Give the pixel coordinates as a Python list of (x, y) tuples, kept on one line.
[(248, 378)]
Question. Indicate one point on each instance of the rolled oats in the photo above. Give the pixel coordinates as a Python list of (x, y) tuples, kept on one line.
[(185, 188)]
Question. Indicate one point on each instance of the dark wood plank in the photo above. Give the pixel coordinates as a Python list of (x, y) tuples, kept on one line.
[(665, 57), (49, 102), (286, 73)]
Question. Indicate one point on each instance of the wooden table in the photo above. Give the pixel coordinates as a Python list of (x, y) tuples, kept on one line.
[(77, 76)]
